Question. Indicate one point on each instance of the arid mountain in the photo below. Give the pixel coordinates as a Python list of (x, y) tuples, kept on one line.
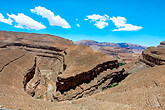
[(45, 72), (124, 52), (97, 45)]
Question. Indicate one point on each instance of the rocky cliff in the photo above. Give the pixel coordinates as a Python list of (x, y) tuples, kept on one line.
[(154, 55), (150, 57)]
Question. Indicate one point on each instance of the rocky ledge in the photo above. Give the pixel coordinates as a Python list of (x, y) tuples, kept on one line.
[(64, 84), (154, 55), (150, 57)]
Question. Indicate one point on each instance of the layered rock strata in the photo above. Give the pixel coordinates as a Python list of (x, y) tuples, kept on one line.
[(59, 66), (150, 57), (46, 58), (98, 84), (154, 56), (64, 84)]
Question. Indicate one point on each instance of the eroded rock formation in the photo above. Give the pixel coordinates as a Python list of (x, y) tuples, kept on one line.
[(64, 84), (150, 57), (60, 66), (154, 56)]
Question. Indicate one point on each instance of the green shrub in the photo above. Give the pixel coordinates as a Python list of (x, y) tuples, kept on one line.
[(116, 84), (113, 85), (40, 97), (110, 86), (121, 64)]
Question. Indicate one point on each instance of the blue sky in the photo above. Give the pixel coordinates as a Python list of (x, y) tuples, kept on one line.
[(132, 21)]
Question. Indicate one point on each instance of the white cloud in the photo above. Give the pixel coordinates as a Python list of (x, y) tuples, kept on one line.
[(128, 27), (23, 21), (95, 17), (101, 24), (120, 23), (78, 25), (53, 20), (100, 21), (76, 19), (7, 21)]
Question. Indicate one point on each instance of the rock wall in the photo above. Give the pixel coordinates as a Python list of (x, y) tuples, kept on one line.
[(150, 57), (99, 83), (84, 77), (154, 56), (28, 76), (46, 58)]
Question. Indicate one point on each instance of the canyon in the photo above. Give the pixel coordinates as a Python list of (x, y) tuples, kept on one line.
[(41, 71), (58, 67)]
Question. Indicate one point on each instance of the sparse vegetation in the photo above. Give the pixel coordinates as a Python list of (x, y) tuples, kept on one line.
[(113, 85), (121, 64), (116, 83), (40, 97)]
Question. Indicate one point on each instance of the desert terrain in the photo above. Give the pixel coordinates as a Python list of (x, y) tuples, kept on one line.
[(46, 72)]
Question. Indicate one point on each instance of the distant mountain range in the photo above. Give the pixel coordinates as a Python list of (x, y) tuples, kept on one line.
[(124, 52), (97, 45)]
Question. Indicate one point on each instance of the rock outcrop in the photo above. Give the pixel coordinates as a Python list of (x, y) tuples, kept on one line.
[(154, 55), (64, 84), (98, 84), (150, 57), (162, 44)]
